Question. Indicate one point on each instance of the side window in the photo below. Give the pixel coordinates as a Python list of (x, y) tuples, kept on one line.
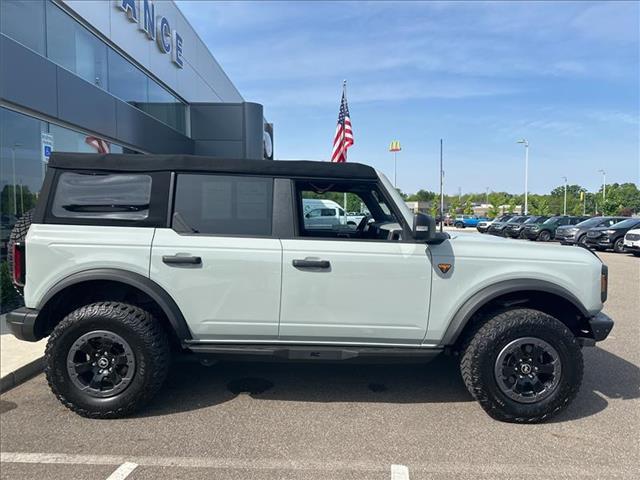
[(118, 196), (321, 213), (223, 205)]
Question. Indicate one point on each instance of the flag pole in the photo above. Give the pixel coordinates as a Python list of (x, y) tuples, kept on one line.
[(344, 194), (441, 189)]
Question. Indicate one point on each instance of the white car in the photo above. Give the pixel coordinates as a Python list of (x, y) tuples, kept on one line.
[(632, 241), (127, 257)]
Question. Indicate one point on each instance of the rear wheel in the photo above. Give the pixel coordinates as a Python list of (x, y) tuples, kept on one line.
[(522, 366), (458, 225), (544, 236), (107, 359)]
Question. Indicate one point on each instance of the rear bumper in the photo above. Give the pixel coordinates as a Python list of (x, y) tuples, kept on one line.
[(601, 326), (21, 323)]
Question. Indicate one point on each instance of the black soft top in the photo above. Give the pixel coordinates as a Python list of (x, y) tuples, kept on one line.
[(115, 162)]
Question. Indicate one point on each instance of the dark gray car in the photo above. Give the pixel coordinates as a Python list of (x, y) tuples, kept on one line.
[(577, 234)]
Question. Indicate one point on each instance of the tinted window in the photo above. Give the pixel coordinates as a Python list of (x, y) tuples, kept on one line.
[(592, 222), (223, 205), (72, 46), (103, 196), (126, 81), (24, 22), (630, 222)]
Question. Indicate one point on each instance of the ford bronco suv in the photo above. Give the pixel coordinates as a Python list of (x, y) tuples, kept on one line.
[(128, 259)]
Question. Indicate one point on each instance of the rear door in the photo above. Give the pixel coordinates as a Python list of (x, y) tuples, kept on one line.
[(219, 260)]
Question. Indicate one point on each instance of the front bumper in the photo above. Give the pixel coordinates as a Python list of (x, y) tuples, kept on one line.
[(512, 233), (22, 322), (599, 241), (531, 234), (601, 326)]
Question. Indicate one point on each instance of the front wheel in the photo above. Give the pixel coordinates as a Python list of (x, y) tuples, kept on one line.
[(107, 359), (458, 225), (523, 366), (544, 236), (618, 245)]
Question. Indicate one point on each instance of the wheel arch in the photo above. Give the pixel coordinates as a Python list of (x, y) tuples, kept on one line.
[(531, 293), (95, 284)]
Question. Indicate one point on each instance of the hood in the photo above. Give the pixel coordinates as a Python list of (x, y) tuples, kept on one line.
[(466, 244)]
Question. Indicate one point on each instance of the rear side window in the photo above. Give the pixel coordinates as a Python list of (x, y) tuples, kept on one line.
[(120, 196), (223, 205)]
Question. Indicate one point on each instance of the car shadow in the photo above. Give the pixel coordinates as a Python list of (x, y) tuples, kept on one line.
[(192, 386), (606, 377)]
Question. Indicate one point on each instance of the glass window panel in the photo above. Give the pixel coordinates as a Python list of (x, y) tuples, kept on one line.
[(23, 21), (223, 205), (126, 81), (66, 140), (73, 47), (108, 196), (165, 107)]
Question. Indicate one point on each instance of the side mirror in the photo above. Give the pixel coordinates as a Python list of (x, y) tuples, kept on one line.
[(424, 230), (424, 227)]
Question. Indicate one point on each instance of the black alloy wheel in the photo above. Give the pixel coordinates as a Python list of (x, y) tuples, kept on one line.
[(528, 370), (544, 236)]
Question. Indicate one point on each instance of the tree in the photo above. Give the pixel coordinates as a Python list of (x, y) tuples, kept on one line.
[(421, 196), (468, 208), (620, 196)]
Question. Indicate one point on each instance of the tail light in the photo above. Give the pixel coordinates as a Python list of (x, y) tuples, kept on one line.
[(18, 264), (604, 283)]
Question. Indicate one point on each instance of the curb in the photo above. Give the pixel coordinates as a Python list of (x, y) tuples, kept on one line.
[(21, 375)]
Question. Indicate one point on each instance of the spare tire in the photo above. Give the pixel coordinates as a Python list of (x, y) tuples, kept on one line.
[(18, 234)]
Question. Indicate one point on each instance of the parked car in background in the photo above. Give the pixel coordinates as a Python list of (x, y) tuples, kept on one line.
[(463, 221), (484, 225), (577, 234), (632, 241), (546, 230), (612, 237), (514, 227), (498, 224)]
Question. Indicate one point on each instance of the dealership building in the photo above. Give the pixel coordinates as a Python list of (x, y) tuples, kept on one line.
[(111, 76)]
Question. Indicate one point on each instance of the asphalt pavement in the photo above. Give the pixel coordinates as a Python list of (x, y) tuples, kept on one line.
[(326, 421)]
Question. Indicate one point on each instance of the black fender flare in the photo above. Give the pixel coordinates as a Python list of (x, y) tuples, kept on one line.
[(140, 282), (491, 292)]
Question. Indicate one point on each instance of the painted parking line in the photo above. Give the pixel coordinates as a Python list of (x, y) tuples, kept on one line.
[(399, 472), (490, 470), (122, 471)]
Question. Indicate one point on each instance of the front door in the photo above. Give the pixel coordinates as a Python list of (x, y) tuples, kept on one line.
[(219, 261), (354, 284)]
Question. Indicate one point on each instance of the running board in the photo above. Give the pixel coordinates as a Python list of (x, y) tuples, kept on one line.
[(306, 352)]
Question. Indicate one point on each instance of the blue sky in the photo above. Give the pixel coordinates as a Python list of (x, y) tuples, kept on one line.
[(479, 75)]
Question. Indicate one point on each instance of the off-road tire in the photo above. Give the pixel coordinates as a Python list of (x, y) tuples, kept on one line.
[(618, 245), (480, 353), (141, 331), (17, 235)]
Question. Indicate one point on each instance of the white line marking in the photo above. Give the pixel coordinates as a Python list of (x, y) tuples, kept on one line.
[(122, 471), (399, 472), (450, 468)]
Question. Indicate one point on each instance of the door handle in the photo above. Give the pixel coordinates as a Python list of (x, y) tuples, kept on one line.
[(181, 260), (308, 263)]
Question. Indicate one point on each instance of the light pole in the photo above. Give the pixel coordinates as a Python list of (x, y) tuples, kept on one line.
[(604, 186), (395, 148), (486, 196), (565, 195), (526, 174)]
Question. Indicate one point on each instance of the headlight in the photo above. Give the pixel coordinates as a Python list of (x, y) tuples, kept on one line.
[(609, 232), (571, 230)]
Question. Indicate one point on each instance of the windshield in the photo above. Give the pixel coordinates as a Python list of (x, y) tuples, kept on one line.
[(397, 199), (628, 223), (535, 219), (591, 222), (552, 220)]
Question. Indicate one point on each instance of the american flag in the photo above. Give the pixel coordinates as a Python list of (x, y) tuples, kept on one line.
[(101, 146), (344, 134)]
